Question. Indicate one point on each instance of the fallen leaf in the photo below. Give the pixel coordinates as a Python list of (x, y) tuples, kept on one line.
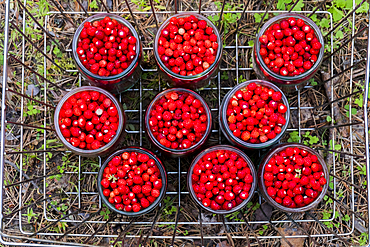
[(260, 216), (32, 90), (296, 242), (223, 244)]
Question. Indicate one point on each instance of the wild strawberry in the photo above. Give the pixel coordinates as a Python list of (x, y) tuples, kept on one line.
[(301, 184), (136, 207), (255, 134), (142, 158), (105, 183), (111, 34), (245, 136), (271, 191), (227, 184), (155, 193), (137, 180), (146, 189), (289, 49), (144, 202), (298, 199), (134, 189), (232, 119), (322, 181)]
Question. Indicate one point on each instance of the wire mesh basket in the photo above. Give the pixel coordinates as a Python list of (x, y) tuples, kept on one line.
[(49, 195)]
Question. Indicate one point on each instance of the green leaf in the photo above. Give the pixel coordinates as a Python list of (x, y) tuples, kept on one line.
[(313, 140), (299, 6), (346, 218), (251, 42), (161, 7), (312, 81), (339, 34), (337, 14), (324, 23), (341, 3), (131, 127), (94, 4), (337, 147), (57, 52), (214, 18), (328, 119), (364, 8), (146, 8), (360, 101), (280, 5), (314, 17), (294, 136), (257, 17)]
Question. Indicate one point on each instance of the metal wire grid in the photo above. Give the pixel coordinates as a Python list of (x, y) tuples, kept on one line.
[(179, 173)]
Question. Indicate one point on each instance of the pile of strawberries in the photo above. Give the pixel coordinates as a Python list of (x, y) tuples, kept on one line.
[(131, 181), (178, 120), (106, 47), (256, 113), (294, 177), (88, 120), (221, 180), (289, 48), (187, 46)]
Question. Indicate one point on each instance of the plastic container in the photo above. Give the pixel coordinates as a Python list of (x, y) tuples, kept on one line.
[(262, 186), (117, 83), (161, 169), (223, 119), (178, 152), (109, 147), (262, 70), (216, 148), (195, 81)]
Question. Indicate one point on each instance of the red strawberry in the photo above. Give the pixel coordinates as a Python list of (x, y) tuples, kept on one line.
[(145, 189), (155, 193), (255, 134), (142, 158), (271, 191), (137, 179), (136, 189), (136, 207), (144, 202)]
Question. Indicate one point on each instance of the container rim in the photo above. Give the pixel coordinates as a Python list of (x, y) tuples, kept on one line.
[(160, 167), (262, 186), (318, 35), (178, 151), (121, 120), (101, 16), (250, 166), (197, 76), (228, 97)]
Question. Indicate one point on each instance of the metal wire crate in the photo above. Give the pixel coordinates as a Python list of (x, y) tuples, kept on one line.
[(84, 217)]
